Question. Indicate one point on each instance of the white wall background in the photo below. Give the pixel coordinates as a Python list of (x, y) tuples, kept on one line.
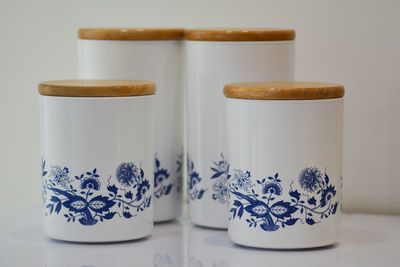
[(356, 43)]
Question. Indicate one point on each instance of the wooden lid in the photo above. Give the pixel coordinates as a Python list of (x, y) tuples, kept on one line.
[(243, 35), (97, 88), (127, 34), (284, 90)]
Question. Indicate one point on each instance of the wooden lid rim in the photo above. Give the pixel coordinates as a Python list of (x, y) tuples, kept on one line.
[(240, 35), (130, 34), (284, 90), (97, 88)]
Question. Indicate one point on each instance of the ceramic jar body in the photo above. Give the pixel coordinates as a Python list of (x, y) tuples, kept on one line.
[(285, 186), (158, 61), (97, 167), (209, 66)]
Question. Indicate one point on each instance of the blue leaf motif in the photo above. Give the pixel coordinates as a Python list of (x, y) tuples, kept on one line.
[(258, 209), (76, 204), (101, 204), (216, 175), (234, 212), (200, 195), (326, 179), (240, 212), (237, 203), (157, 163), (168, 189), (282, 209), (334, 208), (58, 207)]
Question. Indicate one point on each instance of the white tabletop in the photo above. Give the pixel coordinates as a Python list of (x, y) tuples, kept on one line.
[(367, 240)]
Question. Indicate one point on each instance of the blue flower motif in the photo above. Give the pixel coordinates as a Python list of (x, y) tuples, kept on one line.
[(272, 188), (327, 194), (59, 175), (194, 179), (160, 176), (242, 180), (310, 179), (220, 188), (91, 183), (142, 189), (127, 174)]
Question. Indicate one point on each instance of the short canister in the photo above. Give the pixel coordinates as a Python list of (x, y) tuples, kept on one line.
[(154, 55), (285, 148), (97, 159), (215, 57)]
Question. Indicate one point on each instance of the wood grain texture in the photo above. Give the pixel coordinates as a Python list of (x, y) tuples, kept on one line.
[(240, 35), (128, 34), (97, 88), (284, 90)]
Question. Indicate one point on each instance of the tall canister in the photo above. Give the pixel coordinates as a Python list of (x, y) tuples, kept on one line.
[(285, 147), (215, 57), (155, 55), (97, 168)]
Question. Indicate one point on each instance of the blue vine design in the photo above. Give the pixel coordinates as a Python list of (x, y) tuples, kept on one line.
[(161, 178), (220, 177), (261, 201), (77, 198), (195, 189)]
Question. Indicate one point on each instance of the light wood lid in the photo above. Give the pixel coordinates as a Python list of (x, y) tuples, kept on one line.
[(243, 35), (97, 88), (284, 90), (127, 34)]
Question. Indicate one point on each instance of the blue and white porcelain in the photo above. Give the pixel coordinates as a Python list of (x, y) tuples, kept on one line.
[(97, 167), (286, 172), (148, 54), (209, 66)]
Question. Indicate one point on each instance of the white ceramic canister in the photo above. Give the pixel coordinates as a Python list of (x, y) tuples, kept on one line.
[(155, 55), (285, 150), (97, 159), (214, 58)]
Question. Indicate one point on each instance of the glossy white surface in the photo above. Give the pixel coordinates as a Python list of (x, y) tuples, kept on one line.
[(83, 134), (283, 138), (209, 66), (366, 240), (160, 62)]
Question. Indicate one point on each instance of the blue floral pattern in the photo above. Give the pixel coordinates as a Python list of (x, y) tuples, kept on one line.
[(161, 179), (265, 209), (195, 189), (221, 176), (77, 199)]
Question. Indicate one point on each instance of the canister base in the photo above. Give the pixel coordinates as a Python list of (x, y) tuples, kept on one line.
[(284, 245), (98, 239)]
